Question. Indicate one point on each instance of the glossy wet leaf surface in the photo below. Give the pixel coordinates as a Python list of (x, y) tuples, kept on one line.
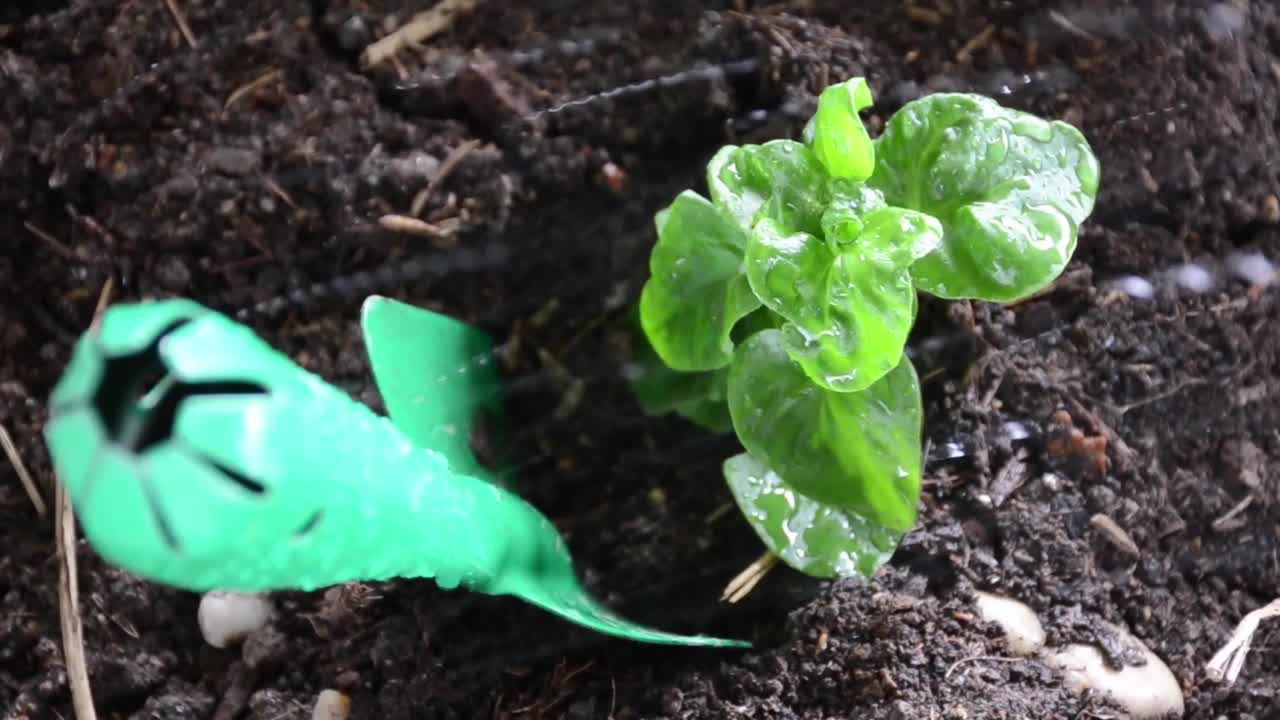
[(856, 450), (696, 291), (813, 537), (1011, 190), (838, 137), (700, 397), (781, 179), (850, 302)]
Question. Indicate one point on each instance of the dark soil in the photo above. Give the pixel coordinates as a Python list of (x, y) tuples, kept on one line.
[(121, 157)]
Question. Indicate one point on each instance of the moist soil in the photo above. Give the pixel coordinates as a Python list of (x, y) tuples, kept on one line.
[(249, 172)]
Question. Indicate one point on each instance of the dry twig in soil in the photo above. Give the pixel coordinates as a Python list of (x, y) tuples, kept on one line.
[(422, 26), (20, 468), (64, 529), (180, 20)]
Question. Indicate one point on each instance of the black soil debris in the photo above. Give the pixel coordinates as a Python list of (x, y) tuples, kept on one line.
[(1107, 457)]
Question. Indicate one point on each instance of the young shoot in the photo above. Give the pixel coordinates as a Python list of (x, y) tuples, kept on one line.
[(779, 304)]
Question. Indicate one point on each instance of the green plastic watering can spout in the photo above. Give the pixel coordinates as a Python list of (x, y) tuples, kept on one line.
[(198, 456)]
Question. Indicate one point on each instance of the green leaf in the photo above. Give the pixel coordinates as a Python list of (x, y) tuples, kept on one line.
[(815, 538), (858, 451), (781, 179), (838, 137), (842, 221), (696, 290), (700, 397), (1010, 189), (849, 312)]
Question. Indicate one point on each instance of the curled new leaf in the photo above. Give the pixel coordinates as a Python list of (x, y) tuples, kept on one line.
[(857, 451), (815, 538), (849, 301), (1010, 189), (838, 137), (696, 290), (781, 179)]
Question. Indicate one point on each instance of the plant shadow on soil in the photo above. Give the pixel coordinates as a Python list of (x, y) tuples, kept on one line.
[(127, 154)]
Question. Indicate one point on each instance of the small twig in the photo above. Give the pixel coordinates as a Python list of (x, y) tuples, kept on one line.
[(104, 299), (976, 43), (979, 658), (1065, 23), (28, 483), (1227, 523), (262, 80), (744, 582), (181, 20), (69, 608), (420, 27), (446, 167), (51, 241), (1226, 664), (64, 529)]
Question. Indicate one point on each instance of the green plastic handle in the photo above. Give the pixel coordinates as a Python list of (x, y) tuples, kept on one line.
[(198, 456)]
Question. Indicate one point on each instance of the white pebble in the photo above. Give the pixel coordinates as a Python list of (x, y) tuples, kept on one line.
[(331, 705), (1022, 629), (1193, 278), (1135, 286), (227, 617), (1253, 268), (1146, 691)]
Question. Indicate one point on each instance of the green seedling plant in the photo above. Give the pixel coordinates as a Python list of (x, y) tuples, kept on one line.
[(779, 307)]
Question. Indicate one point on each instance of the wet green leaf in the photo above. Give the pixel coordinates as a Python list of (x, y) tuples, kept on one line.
[(781, 179), (700, 397), (1011, 190), (836, 133), (849, 311), (857, 451), (815, 538), (696, 290)]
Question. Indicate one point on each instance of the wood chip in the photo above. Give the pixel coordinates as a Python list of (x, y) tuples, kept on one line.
[(924, 15), (412, 226), (1114, 534)]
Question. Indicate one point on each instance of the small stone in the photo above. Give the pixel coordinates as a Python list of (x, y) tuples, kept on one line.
[(1149, 690), (331, 705), (235, 162), (172, 272), (1022, 629), (226, 618)]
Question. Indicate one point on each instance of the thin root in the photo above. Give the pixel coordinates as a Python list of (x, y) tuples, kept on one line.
[(28, 483), (180, 19), (1226, 664), (261, 81), (747, 580)]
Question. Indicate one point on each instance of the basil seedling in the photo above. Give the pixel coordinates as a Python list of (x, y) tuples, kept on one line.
[(787, 296)]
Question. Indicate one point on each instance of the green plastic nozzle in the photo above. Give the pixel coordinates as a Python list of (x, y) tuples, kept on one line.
[(198, 456)]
